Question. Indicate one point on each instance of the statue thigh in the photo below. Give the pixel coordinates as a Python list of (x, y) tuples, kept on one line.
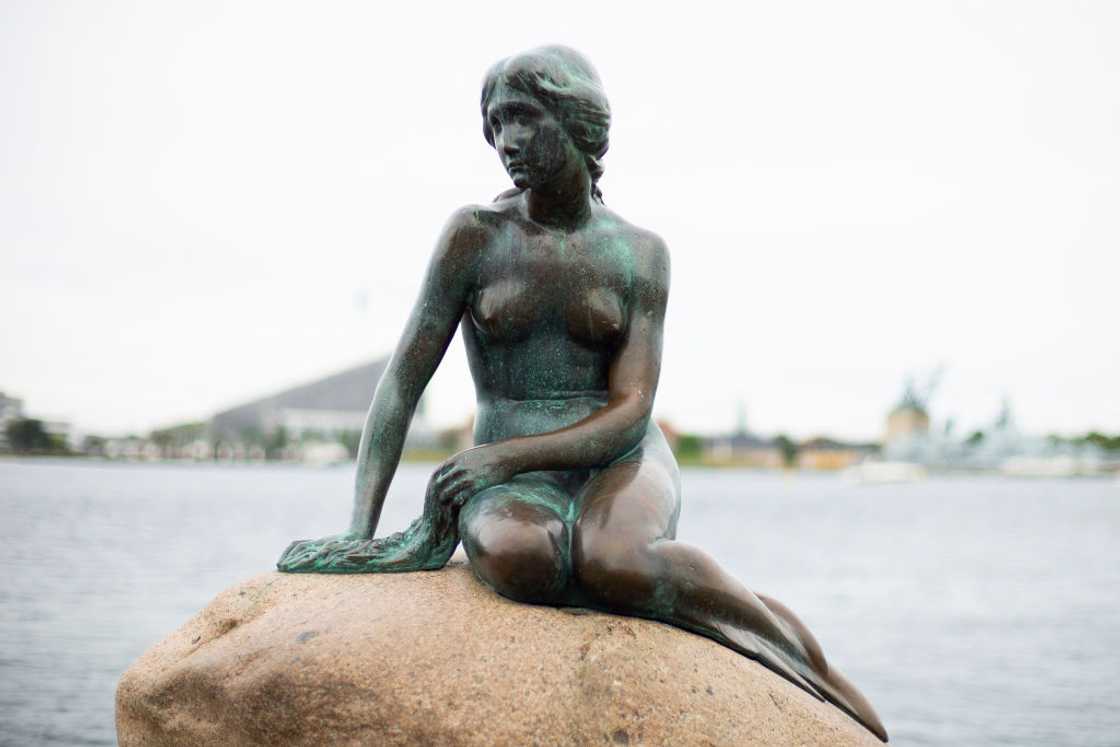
[(517, 540), (625, 511), (533, 540)]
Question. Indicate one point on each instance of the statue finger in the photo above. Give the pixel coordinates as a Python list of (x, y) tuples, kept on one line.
[(324, 550), (458, 494), (447, 492), (295, 557), (460, 499), (368, 550), (297, 549)]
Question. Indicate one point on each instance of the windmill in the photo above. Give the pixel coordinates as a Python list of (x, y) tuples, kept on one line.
[(917, 396), (910, 417)]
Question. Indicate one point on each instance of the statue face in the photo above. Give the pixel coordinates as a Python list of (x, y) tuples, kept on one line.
[(532, 144)]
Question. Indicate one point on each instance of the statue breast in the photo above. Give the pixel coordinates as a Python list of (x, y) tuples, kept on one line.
[(511, 310)]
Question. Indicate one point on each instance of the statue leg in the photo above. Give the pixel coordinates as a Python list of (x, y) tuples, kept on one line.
[(626, 559), (517, 540)]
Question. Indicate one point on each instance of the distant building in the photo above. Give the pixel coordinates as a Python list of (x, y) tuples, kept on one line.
[(325, 409), (908, 437), (457, 437), (1001, 447), (130, 448), (828, 454), (743, 449), (11, 409), (908, 420)]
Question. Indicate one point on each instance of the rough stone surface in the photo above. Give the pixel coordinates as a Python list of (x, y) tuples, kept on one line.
[(437, 658)]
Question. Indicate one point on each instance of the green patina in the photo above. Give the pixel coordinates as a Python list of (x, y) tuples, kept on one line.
[(571, 495)]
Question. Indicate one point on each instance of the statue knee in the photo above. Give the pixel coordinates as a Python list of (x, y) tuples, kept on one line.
[(615, 570), (521, 561)]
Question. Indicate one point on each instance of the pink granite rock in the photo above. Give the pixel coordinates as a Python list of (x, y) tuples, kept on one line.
[(438, 659)]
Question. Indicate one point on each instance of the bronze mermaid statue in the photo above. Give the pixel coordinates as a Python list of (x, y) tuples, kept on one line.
[(571, 495)]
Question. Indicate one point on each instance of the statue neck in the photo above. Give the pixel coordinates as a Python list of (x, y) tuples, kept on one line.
[(565, 202)]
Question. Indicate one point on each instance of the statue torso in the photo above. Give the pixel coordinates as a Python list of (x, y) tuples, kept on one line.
[(546, 316)]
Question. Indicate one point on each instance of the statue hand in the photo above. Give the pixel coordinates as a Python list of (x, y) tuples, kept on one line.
[(467, 473), (303, 554), (419, 547)]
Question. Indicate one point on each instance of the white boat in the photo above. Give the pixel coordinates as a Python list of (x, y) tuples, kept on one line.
[(882, 473), (324, 454), (1048, 466)]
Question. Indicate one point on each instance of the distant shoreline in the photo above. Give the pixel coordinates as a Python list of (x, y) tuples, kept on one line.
[(435, 457)]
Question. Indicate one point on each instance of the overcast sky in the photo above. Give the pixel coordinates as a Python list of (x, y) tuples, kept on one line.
[(204, 202)]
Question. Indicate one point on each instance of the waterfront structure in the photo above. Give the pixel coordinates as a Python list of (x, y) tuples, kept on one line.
[(908, 437), (329, 409), (1004, 447), (11, 409), (743, 449), (1001, 447), (909, 419), (58, 432), (823, 453)]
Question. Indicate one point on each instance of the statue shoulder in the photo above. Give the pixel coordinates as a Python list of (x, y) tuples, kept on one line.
[(468, 231), (477, 217), (651, 260), (651, 248), (649, 251)]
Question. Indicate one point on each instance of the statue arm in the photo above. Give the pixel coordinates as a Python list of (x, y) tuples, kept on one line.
[(428, 332), (429, 541)]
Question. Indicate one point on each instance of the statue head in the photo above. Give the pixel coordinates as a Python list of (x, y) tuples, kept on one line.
[(563, 83)]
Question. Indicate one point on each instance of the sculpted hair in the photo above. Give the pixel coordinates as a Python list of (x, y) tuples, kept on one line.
[(567, 85)]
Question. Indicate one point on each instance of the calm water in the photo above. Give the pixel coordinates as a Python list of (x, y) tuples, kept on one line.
[(971, 611)]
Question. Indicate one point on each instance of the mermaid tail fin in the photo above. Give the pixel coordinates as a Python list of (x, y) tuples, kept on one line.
[(830, 686), (842, 694)]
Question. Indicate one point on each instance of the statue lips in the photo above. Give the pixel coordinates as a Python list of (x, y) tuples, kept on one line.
[(519, 174)]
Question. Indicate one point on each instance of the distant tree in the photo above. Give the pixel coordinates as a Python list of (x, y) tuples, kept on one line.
[(788, 448), (162, 439), (351, 440), (447, 439), (276, 443), (27, 435), (251, 435), (93, 445), (1109, 443), (975, 439), (689, 447), (177, 436)]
